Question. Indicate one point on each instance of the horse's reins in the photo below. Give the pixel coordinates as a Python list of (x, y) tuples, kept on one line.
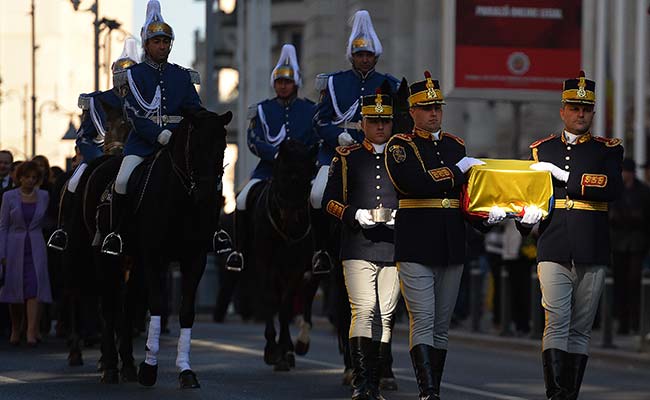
[(274, 224), (187, 179)]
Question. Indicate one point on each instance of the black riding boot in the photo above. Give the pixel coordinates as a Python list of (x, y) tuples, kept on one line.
[(59, 238), (321, 262), (554, 362), (361, 351), (376, 362), (439, 357), (113, 244), (422, 357), (235, 260), (387, 378), (575, 370)]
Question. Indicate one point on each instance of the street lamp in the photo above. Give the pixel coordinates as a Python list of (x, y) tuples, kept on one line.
[(99, 26), (95, 10)]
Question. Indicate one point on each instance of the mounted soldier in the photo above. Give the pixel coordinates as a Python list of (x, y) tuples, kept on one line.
[(92, 139), (338, 118), (271, 122), (155, 92)]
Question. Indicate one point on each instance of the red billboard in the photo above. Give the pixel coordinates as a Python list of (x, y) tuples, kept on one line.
[(514, 46)]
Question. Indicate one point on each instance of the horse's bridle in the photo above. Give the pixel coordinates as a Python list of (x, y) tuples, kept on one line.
[(187, 179)]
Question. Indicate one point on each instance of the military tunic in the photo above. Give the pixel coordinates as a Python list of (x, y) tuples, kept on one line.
[(156, 96), (273, 121), (580, 234), (91, 132), (358, 180), (339, 107), (429, 227)]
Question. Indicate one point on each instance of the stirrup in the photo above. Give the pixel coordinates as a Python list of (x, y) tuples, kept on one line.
[(230, 262), (106, 244), (221, 242), (317, 267), (58, 240)]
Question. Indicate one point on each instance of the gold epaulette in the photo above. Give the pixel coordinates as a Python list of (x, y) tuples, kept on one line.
[(540, 141), (609, 142), (404, 136), (345, 150), (456, 138)]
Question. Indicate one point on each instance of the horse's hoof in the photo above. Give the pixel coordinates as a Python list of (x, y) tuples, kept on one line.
[(291, 359), (348, 375), (128, 373), (110, 376), (271, 355), (282, 365), (74, 358), (301, 348), (147, 374), (388, 384), (187, 380)]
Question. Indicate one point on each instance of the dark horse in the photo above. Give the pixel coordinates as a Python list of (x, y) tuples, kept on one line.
[(175, 207), (84, 277), (282, 243)]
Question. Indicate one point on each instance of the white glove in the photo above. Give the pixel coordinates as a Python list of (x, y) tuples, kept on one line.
[(364, 217), (495, 216), (468, 162), (532, 215), (556, 171), (345, 139), (391, 222), (164, 136)]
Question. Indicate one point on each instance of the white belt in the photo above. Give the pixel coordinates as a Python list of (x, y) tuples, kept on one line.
[(350, 125), (167, 119)]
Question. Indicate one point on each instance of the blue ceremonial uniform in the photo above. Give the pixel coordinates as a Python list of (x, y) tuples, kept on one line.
[(274, 123), (90, 135), (151, 111), (348, 86)]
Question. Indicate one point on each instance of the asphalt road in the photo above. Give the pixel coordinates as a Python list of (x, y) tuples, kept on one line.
[(228, 361)]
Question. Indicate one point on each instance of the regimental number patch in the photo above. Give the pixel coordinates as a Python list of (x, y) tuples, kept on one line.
[(440, 174), (335, 208), (398, 152), (594, 180)]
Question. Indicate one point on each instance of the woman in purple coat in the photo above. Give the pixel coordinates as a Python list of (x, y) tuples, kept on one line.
[(23, 253)]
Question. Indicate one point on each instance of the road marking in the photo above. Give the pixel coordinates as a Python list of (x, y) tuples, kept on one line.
[(5, 380), (243, 350)]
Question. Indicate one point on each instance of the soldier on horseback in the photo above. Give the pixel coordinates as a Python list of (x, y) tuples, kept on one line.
[(359, 193), (271, 122), (154, 94), (339, 115), (91, 136)]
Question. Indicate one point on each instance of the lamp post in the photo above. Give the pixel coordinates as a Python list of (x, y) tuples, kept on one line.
[(34, 47)]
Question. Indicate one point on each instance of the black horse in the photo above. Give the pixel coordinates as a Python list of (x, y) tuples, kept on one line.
[(281, 243), (175, 207), (83, 274)]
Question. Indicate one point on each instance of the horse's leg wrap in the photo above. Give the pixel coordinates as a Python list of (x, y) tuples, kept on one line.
[(305, 329), (183, 350), (153, 341)]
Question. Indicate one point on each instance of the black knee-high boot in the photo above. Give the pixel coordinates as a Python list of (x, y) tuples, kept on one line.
[(575, 371), (423, 365), (554, 362), (321, 262), (387, 378), (59, 238), (235, 261), (361, 353)]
